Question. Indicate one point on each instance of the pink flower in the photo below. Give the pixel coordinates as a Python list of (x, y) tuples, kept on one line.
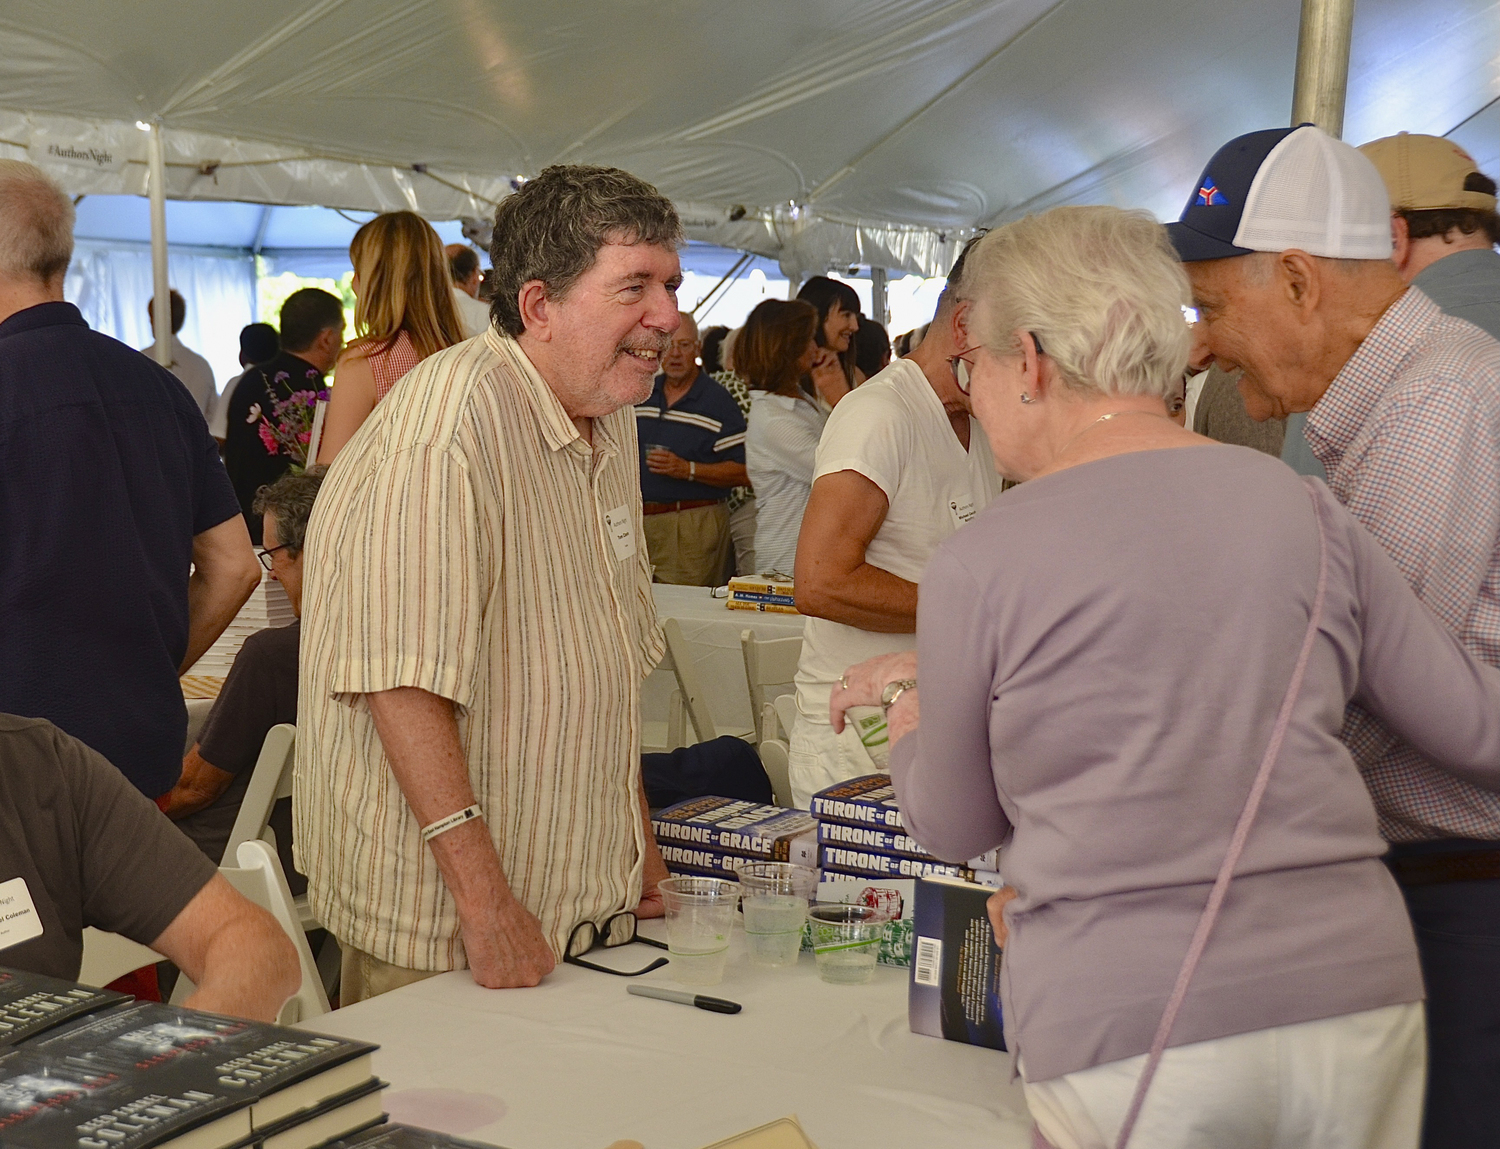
[(268, 437), (305, 437)]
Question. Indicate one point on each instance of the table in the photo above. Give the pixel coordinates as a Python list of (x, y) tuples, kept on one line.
[(577, 1063), (713, 632)]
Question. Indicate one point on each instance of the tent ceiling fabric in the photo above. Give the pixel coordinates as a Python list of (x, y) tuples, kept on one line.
[(851, 131)]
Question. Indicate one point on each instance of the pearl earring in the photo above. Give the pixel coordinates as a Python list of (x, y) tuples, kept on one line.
[(1025, 398)]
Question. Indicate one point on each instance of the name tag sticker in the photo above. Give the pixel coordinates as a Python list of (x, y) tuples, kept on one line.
[(19, 921), (621, 525), (962, 511)]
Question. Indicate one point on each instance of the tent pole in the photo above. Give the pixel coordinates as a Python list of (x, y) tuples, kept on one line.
[(1323, 64), (878, 301), (160, 290)]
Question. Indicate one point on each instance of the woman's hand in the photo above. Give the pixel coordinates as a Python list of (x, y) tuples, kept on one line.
[(828, 376), (995, 907), (863, 685)]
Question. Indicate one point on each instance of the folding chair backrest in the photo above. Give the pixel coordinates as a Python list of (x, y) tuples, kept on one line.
[(270, 782), (259, 877), (686, 672), (772, 662), (774, 760), (785, 709), (108, 956)]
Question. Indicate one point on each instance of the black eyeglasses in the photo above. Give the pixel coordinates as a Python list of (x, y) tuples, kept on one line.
[(619, 930), (265, 555)]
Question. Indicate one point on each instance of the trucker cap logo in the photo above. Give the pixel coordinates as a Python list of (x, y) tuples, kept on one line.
[(1209, 195)]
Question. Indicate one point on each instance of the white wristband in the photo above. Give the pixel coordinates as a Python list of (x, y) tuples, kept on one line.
[(443, 825)]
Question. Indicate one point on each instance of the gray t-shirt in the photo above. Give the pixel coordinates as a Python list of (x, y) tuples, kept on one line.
[(92, 850), (1102, 655), (1466, 285)]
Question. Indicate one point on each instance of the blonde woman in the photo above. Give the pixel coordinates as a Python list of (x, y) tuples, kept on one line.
[(403, 313)]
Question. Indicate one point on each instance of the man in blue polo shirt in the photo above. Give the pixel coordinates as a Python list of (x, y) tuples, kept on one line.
[(111, 492), (692, 437)]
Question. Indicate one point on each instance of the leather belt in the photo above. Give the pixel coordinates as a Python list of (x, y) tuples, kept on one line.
[(684, 505), (1434, 869)]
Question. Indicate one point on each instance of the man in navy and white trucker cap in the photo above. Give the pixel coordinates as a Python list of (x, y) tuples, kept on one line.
[(1286, 240)]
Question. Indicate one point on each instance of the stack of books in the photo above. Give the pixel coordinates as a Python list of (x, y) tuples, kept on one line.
[(861, 834), (767, 592), (715, 836), (80, 1068), (267, 606)]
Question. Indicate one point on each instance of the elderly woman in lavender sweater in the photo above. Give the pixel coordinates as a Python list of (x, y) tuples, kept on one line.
[(1103, 653)]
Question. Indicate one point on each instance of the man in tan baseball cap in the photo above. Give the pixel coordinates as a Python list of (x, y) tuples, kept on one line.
[(1443, 224)]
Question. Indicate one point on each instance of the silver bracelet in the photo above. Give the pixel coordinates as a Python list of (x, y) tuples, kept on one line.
[(692, 472), (443, 825)]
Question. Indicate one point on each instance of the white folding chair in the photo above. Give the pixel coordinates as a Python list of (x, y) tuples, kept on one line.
[(260, 878), (769, 662), (675, 734), (686, 673), (108, 956), (270, 782)]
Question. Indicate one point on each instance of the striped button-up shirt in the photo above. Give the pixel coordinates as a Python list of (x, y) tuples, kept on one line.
[(469, 542), (1410, 434)]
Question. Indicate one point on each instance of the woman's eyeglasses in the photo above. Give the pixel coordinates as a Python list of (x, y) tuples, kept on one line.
[(960, 365), (619, 930)]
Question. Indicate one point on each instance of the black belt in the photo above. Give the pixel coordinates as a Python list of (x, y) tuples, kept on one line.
[(1434, 869)]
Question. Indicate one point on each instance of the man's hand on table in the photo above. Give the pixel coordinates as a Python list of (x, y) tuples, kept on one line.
[(506, 948)]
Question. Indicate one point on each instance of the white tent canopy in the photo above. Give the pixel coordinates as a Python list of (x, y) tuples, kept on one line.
[(816, 132)]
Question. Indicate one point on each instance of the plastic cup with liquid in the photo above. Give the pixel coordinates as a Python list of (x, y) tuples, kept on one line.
[(775, 898), (700, 916), (846, 942)]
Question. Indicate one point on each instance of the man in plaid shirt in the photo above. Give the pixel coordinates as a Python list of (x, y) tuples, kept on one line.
[(1287, 245)]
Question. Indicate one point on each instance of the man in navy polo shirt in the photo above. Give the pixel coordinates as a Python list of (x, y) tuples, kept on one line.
[(111, 492), (692, 437)]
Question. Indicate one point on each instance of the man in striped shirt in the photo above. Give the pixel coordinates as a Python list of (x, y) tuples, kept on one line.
[(1287, 245), (477, 615), (692, 435)]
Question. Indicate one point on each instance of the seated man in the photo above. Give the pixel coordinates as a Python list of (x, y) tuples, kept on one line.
[(260, 692), (90, 850)]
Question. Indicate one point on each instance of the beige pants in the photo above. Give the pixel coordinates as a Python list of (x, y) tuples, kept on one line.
[(689, 547), (363, 976)]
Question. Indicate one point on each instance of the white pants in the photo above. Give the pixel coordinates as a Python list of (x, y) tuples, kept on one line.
[(817, 758), (1349, 1082)]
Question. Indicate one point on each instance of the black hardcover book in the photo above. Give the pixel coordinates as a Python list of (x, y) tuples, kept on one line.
[(955, 968), (33, 1003), (393, 1136), (51, 1101), (336, 1117), (279, 1070)]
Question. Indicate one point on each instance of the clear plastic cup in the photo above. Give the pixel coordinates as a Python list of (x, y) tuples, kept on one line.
[(775, 901), (700, 915), (846, 942)]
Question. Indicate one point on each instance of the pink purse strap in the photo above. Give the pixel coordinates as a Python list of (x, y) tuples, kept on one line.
[(1236, 843)]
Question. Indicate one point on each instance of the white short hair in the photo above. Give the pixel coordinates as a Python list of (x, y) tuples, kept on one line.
[(1099, 287), (36, 224)]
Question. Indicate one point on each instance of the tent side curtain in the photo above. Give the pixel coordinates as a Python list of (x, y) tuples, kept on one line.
[(92, 157), (111, 284)]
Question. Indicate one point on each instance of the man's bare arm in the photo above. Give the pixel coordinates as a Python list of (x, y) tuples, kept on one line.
[(225, 574), (660, 461), (832, 579), (200, 785), (504, 942), (234, 952)]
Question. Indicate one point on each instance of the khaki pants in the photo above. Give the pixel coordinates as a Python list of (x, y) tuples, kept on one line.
[(363, 976), (689, 547)]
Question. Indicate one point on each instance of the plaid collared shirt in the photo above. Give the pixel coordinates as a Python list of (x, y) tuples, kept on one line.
[(1410, 434)]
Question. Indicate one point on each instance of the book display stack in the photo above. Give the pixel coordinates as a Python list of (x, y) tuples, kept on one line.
[(715, 836), (267, 606), (861, 834), (81, 1068), (768, 592)]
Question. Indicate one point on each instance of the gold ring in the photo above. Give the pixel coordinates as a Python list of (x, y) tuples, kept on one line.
[(844, 680)]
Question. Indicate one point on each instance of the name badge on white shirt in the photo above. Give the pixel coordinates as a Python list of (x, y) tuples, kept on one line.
[(621, 525), (962, 510), (19, 921)]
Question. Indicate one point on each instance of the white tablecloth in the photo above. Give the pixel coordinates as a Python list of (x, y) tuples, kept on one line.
[(713, 632), (578, 1063)]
